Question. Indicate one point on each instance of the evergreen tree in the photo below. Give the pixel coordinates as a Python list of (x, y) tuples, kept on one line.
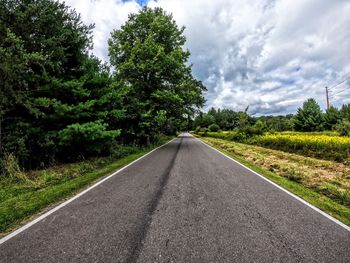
[(309, 117), (53, 93), (331, 118), (345, 112)]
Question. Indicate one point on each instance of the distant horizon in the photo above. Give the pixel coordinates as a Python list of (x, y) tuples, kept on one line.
[(267, 54)]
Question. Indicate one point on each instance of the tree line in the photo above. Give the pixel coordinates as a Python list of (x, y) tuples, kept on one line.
[(60, 103), (308, 118)]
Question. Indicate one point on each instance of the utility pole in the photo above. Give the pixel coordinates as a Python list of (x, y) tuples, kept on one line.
[(327, 96)]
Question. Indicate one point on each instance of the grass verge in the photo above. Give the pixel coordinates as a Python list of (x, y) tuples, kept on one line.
[(20, 200), (322, 194)]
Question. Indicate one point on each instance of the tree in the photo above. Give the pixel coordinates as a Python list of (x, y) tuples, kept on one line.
[(148, 55), (207, 120), (243, 120), (52, 91), (345, 111), (331, 118), (309, 117), (343, 127)]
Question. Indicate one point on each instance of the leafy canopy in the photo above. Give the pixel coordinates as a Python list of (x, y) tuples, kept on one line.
[(148, 55), (52, 92)]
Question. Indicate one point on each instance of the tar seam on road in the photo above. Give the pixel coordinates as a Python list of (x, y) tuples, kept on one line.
[(135, 252), (38, 219), (281, 188)]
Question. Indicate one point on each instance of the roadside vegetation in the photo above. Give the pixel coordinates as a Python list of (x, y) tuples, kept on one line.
[(26, 193), (307, 153), (59, 103), (318, 145), (314, 145), (67, 118), (323, 183)]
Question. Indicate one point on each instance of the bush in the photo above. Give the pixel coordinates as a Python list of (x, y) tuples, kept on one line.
[(214, 128), (343, 128), (257, 129), (197, 129), (88, 139)]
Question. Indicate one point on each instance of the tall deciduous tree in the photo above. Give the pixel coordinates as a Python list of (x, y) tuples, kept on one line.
[(148, 54)]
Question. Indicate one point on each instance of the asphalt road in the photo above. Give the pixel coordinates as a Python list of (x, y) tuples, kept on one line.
[(184, 202)]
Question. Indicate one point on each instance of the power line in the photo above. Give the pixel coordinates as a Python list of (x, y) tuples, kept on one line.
[(340, 91), (347, 74), (339, 83)]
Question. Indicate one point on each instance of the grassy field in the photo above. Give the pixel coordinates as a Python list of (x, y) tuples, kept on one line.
[(323, 183), (321, 145), (37, 190)]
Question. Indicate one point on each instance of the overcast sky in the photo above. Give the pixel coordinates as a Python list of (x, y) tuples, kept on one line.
[(268, 54)]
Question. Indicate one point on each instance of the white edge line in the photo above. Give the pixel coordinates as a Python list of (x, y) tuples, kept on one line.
[(281, 188), (31, 223)]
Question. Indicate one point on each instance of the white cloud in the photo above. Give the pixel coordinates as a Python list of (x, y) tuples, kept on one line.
[(107, 15), (269, 54)]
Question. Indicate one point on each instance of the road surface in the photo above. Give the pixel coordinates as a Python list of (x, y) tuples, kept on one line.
[(184, 202)]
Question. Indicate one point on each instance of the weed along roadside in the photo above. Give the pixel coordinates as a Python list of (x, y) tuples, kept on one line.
[(24, 194), (323, 183)]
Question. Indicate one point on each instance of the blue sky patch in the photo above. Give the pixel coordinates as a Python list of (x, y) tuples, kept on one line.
[(140, 2)]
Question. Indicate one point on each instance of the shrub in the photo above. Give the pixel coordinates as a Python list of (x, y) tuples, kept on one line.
[(214, 127), (258, 128), (343, 128), (88, 139)]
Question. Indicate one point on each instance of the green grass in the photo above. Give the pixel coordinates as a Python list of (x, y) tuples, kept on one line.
[(19, 200), (314, 197)]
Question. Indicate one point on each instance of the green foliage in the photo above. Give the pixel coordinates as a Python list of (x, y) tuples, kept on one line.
[(48, 82), (345, 112), (214, 128), (343, 127), (207, 120), (309, 117), (198, 128), (148, 55), (20, 199), (15, 72), (278, 123), (331, 118), (86, 139), (56, 99), (257, 129)]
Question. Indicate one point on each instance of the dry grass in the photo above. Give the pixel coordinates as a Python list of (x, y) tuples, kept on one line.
[(327, 177)]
